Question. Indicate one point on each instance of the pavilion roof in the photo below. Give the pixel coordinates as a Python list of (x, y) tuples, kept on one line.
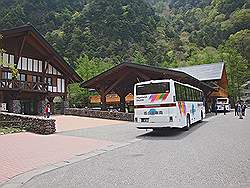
[(204, 72), (123, 77)]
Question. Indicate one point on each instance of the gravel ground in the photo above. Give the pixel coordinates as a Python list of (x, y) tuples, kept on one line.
[(215, 153)]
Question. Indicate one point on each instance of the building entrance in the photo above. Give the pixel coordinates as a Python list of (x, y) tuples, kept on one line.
[(28, 107)]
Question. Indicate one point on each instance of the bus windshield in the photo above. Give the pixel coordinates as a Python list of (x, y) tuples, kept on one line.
[(153, 88), (223, 101)]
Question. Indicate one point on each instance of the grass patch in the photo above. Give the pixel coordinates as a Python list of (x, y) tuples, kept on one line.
[(9, 130)]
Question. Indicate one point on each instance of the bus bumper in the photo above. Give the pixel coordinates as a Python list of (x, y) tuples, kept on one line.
[(156, 125)]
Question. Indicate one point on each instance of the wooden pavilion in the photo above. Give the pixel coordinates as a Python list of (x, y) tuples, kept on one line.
[(122, 78)]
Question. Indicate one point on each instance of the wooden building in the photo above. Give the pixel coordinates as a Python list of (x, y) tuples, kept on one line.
[(42, 73)]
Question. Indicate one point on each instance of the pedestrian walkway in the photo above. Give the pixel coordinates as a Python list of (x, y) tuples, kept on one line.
[(67, 123), (23, 152)]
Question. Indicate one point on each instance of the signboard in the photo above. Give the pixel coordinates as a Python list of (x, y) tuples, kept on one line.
[(3, 107)]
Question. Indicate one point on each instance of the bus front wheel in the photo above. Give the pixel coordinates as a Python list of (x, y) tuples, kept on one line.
[(188, 123)]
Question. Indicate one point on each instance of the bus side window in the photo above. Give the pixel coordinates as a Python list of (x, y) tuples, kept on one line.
[(196, 95), (189, 94), (176, 91), (183, 93)]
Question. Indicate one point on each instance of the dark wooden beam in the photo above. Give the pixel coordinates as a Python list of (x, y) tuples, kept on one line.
[(143, 76), (115, 83), (19, 53)]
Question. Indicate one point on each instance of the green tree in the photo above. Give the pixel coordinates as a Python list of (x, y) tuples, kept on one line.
[(87, 68), (12, 68), (237, 70), (139, 58), (241, 42)]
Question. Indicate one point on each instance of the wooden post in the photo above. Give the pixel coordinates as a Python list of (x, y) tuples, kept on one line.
[(123, 103), (103, 102), (122, 94)]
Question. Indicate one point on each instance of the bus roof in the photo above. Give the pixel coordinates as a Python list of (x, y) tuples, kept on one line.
[(166, 80)]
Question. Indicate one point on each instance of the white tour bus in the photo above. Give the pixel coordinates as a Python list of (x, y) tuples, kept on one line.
[(220, 102), (167, 103)]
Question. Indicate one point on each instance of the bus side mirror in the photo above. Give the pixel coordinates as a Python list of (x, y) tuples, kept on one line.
[(174, 98)]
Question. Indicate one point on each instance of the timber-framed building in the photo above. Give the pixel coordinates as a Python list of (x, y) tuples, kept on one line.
[(42, 73)]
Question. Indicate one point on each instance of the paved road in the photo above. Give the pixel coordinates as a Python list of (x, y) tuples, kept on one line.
[(215, 153)]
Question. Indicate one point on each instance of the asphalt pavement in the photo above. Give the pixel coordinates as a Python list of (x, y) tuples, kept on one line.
[(214, 153)]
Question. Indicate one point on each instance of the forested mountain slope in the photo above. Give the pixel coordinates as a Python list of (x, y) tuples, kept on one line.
[(46, 15), (93, 35)]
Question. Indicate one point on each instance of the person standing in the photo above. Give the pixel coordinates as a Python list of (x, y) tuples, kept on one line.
[(48, 114), (236, 109), (240, 111), (215, 108), (244, 109), (47, 111), (224, 109)]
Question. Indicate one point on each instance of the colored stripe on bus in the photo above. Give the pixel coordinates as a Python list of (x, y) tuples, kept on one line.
[(156, 106)]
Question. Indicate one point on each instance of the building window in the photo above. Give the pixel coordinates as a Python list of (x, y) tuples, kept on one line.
[(30, 62), (24, 63), (7, 75), (11, 59), (49, 81), (49, 69), (19, 66), (60, 85), (63, 85), (22, 77), (35, 65), (5, 58), (54, 71), (40, 66), (36, 78)]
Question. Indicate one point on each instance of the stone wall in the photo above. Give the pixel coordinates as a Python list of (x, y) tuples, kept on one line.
[(99, 114), (38, 125)]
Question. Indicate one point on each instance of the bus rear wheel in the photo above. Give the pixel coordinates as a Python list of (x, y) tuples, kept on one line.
[(188, 123)]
